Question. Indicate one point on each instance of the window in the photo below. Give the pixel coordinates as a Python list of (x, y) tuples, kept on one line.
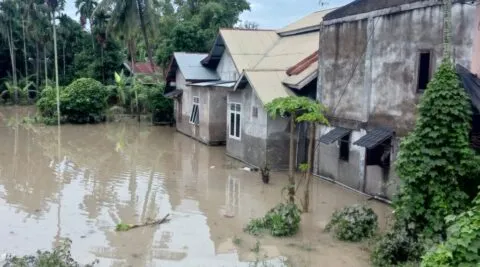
[(345, 147), (235, 123), (255, 112), (380, 155), (195, 116), (424, 70)]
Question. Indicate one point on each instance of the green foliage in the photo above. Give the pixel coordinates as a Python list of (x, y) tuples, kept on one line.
[(436, 164), (59, 257), (84, 101), (283, 220), (304, 167), (304, 108), (396, 248), (462, 246), (123, 227), (353, 223)]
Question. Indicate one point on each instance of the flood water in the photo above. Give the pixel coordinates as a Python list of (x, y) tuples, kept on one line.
[(78, 182)]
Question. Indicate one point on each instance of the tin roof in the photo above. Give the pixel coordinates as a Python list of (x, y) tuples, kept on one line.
[(141, 67), (375, 137), (267, 84), (191, 68), (365, 6), (305, 24), (334, 135)]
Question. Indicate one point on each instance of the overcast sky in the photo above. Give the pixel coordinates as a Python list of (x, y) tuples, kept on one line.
[(269, 14)]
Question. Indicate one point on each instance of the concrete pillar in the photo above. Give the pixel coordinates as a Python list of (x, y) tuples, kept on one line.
[(475, 67)]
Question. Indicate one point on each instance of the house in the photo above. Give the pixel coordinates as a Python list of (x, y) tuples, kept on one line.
[(143, 72), (200, 98), (375, 61), (265, 64)]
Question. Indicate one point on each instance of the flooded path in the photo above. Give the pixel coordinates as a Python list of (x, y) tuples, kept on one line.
[(80, 181)]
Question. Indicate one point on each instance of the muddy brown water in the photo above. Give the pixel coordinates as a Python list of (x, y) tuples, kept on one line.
[(78, 182)]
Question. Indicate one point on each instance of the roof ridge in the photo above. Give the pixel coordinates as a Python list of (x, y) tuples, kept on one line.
[(248, 30)]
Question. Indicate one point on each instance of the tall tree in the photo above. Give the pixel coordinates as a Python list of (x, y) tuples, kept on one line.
[(85, 9), (8, 11)]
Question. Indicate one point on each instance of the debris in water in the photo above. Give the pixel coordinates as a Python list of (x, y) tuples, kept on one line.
[(123, 227), (212, 167)]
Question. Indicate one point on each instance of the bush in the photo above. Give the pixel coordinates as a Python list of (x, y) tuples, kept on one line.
[(462, 247), (353, 223), (59, 257), (85, 101), (283, 220), (396, 248), (47, 104)]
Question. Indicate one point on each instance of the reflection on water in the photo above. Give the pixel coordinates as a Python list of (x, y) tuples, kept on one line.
[(80, 181)]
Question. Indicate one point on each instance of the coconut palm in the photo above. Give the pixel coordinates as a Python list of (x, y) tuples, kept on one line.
[(8, 9), (85, 9), (126, 16)]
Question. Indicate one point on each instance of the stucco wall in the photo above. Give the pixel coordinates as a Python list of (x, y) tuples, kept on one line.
[(369, 67), (226, 68), (217, 115), (251, 148), (278, 143), (368, 74)]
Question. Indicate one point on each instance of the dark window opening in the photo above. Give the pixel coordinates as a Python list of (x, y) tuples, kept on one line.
[(424, 71), (255, 112), (345, 148), (380, 155)]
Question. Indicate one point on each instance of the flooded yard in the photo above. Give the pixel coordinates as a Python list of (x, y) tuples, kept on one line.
[(78, 182)]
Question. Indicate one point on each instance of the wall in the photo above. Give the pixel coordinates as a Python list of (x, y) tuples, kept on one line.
[(217, 115), (226, 68), (368, 77), (475, 67), (365, 61), (251, 148), (278, 143)]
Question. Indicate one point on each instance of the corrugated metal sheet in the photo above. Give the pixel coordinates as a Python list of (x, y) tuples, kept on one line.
[(302, 79), (268, 84), (311, 21), (191, 68), (215, 83), (288, 51), (247, 47)]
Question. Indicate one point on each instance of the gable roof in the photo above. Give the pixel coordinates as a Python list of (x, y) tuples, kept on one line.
[(365, 6), (191, 68), (141, 67), (306, 24), (267, 84), (246, 47)]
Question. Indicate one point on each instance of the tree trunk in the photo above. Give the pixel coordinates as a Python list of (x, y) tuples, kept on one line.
[(93, 37), (64, 61), (56, 67), (145, 36), (308, 175), (103, 64), (37, 65), (291, 162), (45, 64), (132, 57), (11, 45), (25, 49)]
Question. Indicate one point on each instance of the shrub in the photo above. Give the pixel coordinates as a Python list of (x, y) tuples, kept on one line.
[(436, 165), (353, 223), (462, 247), (59, 257), (283, 220), (47, 104), (396, 248), (85, 101)]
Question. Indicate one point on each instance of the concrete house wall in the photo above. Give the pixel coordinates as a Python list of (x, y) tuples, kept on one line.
[(252, 146), (368, 67)]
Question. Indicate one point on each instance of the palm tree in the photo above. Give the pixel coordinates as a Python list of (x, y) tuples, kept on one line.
[(8, 9), (127, 15), (85, 9), (100, 30), (54, 6)]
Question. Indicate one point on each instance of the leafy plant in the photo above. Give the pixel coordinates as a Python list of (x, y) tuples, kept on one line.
[(283, 220), (396, 248), (462, 247), (85, 101), (353, 223), (265, 173), (59, 257), (123, 227)]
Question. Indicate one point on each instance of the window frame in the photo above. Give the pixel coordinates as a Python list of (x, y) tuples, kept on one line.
[(419, 90), (345, 140), (235, 112), (195, 103)]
